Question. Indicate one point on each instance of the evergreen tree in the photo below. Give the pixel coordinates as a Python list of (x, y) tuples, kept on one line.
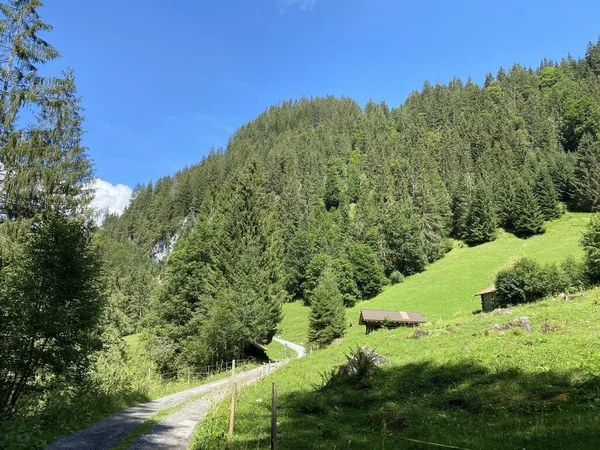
[(461, 206), (334, 189), (586, 184), (21, 50), (482, 220), (528, 219), (591, 247), (546, 195), (50, 307), (367, 270), (327, 316)]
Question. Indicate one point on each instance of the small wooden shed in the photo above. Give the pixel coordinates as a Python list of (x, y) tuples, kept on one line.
[(374, 319), (487, 298)]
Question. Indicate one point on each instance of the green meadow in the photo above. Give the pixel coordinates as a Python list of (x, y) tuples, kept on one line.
[(458, 385)]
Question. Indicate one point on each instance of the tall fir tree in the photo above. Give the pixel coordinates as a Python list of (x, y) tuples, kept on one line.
[(546, 195), (327, 315), (482, 222), (461, 206), (21, 52), (527, 215), (586, 184)]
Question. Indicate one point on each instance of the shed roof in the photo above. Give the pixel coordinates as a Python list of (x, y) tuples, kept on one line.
[(380, 315), (487, 290)]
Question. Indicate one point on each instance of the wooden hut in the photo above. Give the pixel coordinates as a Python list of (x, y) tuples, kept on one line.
[(487, 298), (374, 319)]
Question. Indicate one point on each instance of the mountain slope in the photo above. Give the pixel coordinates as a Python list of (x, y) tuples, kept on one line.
[(457, 385)]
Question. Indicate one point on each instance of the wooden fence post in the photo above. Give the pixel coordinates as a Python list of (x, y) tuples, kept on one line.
[(274, 419), (232, 411), (233, 371)]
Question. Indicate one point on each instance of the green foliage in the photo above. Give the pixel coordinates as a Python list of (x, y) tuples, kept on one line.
[(586, 183), (546, 195), (591, 247), (527, 215), (367, 270), (50, 306), (223, 287), (528, 281), (396, 277), (131, 280), (482, 220), (327, 317)]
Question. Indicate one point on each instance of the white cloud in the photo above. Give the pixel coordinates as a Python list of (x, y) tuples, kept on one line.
[(304, 5), (109, 198)]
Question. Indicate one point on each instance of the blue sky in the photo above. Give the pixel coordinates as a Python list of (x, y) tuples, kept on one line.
[(163, 82)]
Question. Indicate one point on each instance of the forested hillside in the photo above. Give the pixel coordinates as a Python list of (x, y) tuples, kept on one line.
[(321, 186)]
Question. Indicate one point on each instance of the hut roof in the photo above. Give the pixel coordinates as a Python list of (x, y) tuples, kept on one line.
[(380, 315), (487, 290)]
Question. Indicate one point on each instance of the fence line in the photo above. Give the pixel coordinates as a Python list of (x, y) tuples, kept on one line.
[(206, 371)]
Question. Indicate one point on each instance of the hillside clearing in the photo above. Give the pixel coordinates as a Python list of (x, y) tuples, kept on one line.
[(457, 385)]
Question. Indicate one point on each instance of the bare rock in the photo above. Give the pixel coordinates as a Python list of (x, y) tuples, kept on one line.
[(520, 322), (418, 333), (502, 312)]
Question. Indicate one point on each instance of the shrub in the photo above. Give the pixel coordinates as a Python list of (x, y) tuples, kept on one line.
[(522, 283), (528, 281), (396, 277)]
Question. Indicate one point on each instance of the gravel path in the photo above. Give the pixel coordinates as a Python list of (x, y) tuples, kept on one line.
[(296, 347), (172, 432)]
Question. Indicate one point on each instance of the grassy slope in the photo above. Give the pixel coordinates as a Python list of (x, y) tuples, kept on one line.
[(455, 386), (448, 285)]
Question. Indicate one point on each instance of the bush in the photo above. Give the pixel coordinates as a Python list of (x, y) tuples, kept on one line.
[(528, 281), (525, 282), (396, 277)]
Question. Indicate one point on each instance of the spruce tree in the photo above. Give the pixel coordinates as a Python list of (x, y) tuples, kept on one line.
[(591, 247), (327, 316), (43, 165), (546, 195), (251, 253), (527, 215), (586, 184), (21, 51), (482, 220), (461, 205)]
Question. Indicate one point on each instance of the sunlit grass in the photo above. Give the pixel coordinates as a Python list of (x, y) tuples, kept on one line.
[(455, 386)]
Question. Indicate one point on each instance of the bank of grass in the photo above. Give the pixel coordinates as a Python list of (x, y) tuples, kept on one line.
[(447, 286), (67, 412), (456, 385)]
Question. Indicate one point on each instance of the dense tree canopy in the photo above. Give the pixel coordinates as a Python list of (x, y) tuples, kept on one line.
[(322, 184)]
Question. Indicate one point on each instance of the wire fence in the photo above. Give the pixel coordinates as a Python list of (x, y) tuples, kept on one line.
[(200, 373)]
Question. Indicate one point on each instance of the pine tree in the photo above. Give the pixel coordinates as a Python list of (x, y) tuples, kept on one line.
[(367, 270), (251, 253), (591, 247), (482, 220), (546, 195), (586, 184), (44, 165), (528, 219), (461, 206), (21, 50), (327, 316)]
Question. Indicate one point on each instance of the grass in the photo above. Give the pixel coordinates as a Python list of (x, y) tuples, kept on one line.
[(447, 286), (146, 426), (457, 385), (117, 388)]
